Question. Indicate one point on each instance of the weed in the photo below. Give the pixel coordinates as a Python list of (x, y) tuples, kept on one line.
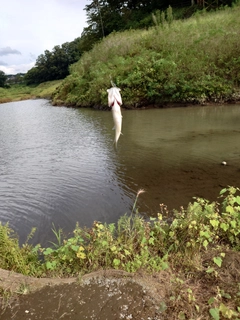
[(58, 234), (13, 257), (134, 209), (218, 308), (194, 60), (5, 297), (23, 289)]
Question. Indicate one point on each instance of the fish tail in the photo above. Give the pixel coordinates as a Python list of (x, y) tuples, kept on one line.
[(115, 144)]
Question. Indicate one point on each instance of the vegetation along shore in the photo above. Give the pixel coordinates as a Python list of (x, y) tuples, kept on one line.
[(194, 61), (195, 249)]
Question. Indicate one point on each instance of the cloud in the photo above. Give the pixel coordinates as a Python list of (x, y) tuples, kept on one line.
[(14, 69), (25, 34), (2, 63), (32, 57), (7, 50)]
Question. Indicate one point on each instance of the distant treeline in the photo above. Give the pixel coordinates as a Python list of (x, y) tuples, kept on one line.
[(105, 17), (54, 65)]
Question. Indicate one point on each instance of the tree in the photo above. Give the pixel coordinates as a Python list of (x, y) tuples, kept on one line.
[(54, 65), (3, 78), (106, 16)]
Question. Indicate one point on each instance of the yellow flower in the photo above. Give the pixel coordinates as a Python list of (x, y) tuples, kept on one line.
[(80, 253)]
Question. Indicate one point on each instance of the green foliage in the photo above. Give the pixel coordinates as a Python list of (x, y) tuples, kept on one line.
[(22, 92), (65, 257), (214, 312), (13, 257), (54, 65), (204, 224), (161, 18), (3, 78), (129, 246), (194, 61), (105, 17), (133, 243), (195, 243), (220, 309)]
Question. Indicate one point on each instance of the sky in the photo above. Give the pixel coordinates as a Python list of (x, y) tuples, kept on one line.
[(29, 27)]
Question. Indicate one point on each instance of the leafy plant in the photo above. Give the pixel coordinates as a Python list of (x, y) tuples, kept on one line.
[(203, 224), (13, 257)]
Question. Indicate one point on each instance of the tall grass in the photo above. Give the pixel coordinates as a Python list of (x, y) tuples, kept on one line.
[(13, 257), (194, 60)]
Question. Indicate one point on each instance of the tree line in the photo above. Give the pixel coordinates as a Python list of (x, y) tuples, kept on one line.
[(53, 65), (103, 18)]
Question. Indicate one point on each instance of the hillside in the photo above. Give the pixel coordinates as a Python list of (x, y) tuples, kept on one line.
[(183, 61)]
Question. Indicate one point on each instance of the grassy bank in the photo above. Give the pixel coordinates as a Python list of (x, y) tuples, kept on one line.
[(194, 60), (22, 92), (199, 248)]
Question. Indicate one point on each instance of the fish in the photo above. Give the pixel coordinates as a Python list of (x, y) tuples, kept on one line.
[(115, 102)]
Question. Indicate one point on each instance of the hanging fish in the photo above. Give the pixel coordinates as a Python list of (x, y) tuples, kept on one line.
[(114, 102)]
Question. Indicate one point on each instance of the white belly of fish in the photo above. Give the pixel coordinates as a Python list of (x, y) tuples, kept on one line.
[(117, 120)]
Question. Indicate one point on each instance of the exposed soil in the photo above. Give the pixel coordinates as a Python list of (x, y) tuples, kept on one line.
[(101, 295), (114, 295)]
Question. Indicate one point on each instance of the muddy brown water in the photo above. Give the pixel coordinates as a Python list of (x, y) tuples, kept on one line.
[(58, 165)]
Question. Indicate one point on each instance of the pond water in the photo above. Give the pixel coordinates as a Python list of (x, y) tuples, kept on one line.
[(58, 165)]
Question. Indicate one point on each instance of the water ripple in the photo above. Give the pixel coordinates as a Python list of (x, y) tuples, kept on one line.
[(55, 166), (58, 165)]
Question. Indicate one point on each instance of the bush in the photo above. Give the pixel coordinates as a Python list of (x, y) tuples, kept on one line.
[(15, 258)]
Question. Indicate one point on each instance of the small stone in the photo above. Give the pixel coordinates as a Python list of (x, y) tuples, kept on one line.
[(224, 163)]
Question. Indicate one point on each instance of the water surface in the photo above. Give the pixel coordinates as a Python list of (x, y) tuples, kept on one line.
[(58, 165)]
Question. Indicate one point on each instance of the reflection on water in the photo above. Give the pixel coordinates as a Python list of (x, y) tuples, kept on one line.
[(58, 165), (176, 154), (184, 134)]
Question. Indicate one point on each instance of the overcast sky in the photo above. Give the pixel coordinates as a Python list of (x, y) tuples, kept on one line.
[(29, 27)]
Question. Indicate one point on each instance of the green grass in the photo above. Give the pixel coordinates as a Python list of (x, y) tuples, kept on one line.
[(22, 92), (194, 60)]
